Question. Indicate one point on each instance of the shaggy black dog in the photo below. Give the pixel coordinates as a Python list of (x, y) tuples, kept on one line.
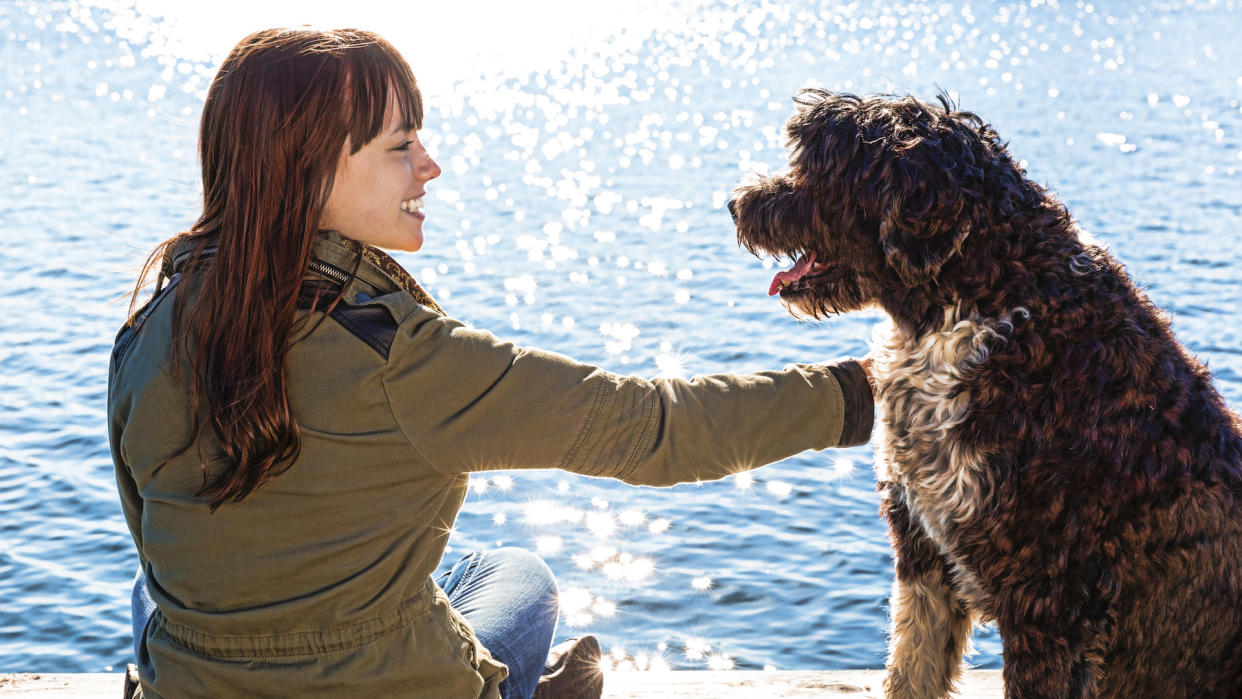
[(1051, 458)]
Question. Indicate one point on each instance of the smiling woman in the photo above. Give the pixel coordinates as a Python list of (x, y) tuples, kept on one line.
[(377, 194), (293, 418), (291, 116)]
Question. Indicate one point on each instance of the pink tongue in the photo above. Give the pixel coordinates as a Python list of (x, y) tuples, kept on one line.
[(792, 275)]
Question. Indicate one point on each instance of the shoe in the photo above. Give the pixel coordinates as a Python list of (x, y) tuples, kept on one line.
[(131, 681), (572, 671)]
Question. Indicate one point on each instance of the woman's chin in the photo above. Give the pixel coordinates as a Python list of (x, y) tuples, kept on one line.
[(410, 245), (400, 242), (412, 241)]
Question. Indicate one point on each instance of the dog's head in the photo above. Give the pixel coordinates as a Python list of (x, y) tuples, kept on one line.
[(882, 193)]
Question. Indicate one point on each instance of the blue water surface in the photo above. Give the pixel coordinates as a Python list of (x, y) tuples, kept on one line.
[(581, 210)]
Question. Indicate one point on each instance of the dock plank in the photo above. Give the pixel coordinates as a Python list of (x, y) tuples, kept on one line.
[(62, 685), (856, 684), (736, 684)]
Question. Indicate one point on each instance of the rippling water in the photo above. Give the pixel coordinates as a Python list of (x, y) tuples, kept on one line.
[(586, 159)]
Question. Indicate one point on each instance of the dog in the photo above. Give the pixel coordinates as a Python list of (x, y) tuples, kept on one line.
[(1050, 458)]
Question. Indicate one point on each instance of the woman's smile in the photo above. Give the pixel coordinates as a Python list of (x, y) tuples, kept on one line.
[(414, 207)]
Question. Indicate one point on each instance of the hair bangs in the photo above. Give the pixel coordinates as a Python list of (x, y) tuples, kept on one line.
[(380, 80)]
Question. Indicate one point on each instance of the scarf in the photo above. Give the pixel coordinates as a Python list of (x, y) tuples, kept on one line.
[(395, 271)]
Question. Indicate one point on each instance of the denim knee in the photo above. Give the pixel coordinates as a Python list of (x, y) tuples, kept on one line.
[(141, 606), (519, 561)]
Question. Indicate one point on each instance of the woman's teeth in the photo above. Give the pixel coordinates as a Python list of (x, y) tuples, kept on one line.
[(413, 206)]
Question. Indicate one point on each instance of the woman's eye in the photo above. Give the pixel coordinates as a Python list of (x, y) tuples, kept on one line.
[(404, 146)]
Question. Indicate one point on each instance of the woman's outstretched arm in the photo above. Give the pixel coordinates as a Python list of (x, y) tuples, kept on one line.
[(468, 401)]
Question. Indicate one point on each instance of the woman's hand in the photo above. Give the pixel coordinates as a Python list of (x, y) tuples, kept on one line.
[(866, 363)]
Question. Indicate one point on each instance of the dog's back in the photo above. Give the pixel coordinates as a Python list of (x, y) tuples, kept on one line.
[(1147, 458)]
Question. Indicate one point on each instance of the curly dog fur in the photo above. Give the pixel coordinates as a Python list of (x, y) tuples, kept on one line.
[(1050, 457)]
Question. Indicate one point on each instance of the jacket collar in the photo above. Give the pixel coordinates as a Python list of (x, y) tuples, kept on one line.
[(342, 257)]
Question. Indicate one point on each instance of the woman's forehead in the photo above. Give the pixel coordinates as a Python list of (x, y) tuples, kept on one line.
[(395, 120)]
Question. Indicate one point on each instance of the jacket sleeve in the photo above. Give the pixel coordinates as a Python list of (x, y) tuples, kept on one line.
[(467, 401)]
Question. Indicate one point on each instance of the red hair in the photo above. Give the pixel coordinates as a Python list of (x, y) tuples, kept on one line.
[(278, 114)]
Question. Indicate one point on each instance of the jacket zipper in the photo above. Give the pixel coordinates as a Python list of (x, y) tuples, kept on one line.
[(329, 271), (317, 265)]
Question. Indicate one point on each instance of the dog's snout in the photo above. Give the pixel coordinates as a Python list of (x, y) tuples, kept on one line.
[(732, 208)]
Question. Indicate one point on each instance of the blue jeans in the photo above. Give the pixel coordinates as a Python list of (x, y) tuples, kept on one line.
[(508, 595)]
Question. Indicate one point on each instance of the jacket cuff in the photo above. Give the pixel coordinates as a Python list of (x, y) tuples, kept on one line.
[(859, 415)]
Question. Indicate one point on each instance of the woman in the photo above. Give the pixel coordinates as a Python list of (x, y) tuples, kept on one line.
[(293, 418)]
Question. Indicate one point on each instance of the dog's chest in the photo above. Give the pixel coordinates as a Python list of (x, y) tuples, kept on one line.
[(923, 401)]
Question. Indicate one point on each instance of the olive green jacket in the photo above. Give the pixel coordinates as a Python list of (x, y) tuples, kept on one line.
[(319, 582)]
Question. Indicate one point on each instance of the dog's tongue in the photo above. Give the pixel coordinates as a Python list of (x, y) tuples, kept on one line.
[(790, 276)]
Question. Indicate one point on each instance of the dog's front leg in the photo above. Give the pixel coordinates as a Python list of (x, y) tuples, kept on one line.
[(1056, 654), (930, 626)]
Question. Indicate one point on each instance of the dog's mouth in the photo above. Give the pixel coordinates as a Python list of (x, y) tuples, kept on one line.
[(797, 278)]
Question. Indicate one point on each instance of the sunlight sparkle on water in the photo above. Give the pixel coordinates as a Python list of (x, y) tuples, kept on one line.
[(548, 544), (696, 648), (670, 362), (433, 39), (622, 336), (545, 512), (632, 517), (744, 480), (580, 607), (780, 489), (601, 524), (842, 467), (604, 608), (602, 553)]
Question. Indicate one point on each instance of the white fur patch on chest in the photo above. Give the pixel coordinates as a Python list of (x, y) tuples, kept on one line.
[(923, 399)]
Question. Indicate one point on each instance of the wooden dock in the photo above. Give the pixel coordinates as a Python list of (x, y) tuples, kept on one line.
[(742, 684)]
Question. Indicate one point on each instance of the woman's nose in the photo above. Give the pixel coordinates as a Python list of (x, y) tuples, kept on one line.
[(425, 166), (428, 168)]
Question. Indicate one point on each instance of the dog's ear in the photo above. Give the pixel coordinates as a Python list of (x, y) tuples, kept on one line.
[(925, 185), (923, 224)]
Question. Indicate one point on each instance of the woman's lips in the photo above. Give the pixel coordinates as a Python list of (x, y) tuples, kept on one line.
[(413, 206)]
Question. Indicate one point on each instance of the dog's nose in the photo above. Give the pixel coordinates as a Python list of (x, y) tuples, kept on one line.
[(732, 209)]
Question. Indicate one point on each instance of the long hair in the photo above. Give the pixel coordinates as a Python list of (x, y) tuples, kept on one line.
[(277, 117)]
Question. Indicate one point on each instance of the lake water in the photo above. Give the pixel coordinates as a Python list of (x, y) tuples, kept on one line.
[(586, 158)]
